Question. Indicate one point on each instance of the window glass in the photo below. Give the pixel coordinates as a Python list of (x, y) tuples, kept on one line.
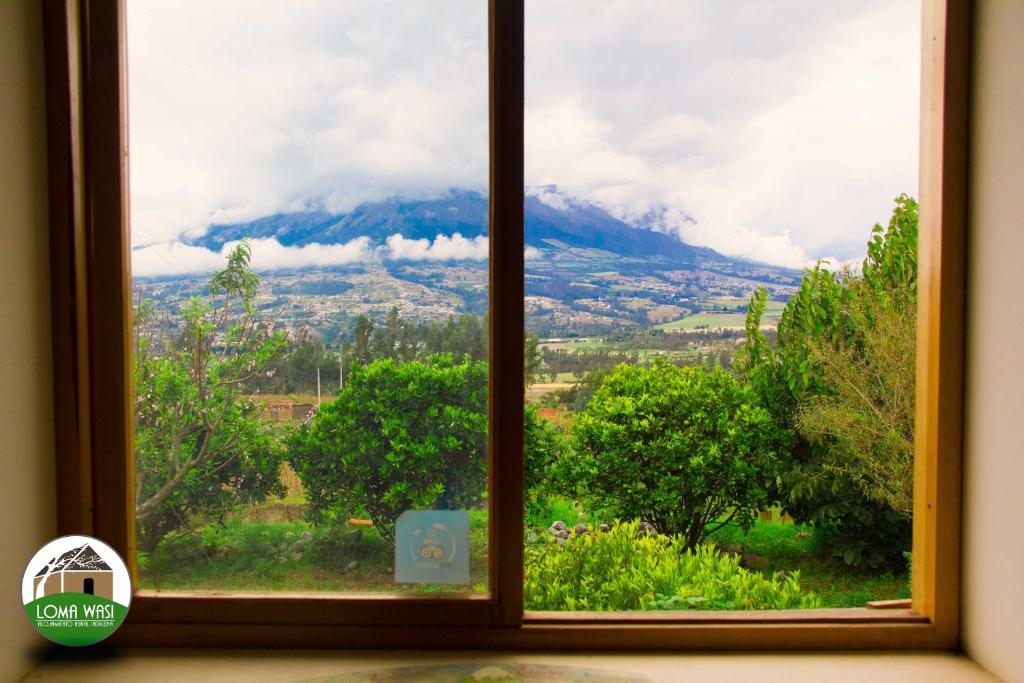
[(309, 263), (721, 235)]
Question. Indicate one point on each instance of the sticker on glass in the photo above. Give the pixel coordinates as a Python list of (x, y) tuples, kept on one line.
[(432, 546)]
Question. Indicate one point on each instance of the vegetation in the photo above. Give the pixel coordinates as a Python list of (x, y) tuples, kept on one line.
[(399, 436), (626, 569), (690, 433), (835, 331), (200, 446), (770, 547), (685, 449)]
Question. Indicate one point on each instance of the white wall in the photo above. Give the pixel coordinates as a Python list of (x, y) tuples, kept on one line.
[(27, 518), (993, 551)]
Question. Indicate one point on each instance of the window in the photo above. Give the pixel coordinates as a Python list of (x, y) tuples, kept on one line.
[(92, 302)]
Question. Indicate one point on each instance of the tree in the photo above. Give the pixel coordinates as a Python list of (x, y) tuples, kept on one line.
[(683, 448), (533, 359), (866, 418), (399, 436), (840, 374), (200, 445)]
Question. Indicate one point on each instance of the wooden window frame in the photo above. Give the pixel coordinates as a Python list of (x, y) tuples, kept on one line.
[(90, 250)]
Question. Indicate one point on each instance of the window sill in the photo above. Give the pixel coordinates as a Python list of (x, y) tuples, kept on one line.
[(215, 665)]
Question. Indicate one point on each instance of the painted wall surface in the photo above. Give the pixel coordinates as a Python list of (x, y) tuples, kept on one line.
[(993, 564), (27, 516)]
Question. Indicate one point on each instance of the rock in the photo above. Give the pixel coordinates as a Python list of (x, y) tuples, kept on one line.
[(283, 547), (296, 556), (581, 529), (307, 536), (298, 546), (282, 559), (560, 530), (731, 549), (751, 561), (532, 538), (604, 528), (646, 529), (289, 534), (351, 566)]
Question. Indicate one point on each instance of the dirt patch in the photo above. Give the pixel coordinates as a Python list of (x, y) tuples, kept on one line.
[(276, 512)]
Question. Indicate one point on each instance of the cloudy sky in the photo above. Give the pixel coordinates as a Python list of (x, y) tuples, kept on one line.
[(778, 130)]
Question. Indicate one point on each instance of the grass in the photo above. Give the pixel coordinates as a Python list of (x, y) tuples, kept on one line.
[(732, 320), (784, 546), (249, 555), (255, 552), (710, 321)]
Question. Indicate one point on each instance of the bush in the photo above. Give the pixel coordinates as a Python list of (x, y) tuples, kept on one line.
[(400, 436), (683, 448), (622, 569), (543, 446)]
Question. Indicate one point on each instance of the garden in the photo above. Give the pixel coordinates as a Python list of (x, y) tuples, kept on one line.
[(782, 481)]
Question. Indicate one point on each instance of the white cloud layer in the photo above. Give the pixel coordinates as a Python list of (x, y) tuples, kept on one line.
[(175, 258), (778, 130)]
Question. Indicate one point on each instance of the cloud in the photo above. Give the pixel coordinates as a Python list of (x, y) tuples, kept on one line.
[(443, 248), (238, 111), (778, 130), (782, 137), (175, 258)]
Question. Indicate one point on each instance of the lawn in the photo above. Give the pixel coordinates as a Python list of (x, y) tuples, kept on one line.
[(256, 551), (783, 546), (248, 555)]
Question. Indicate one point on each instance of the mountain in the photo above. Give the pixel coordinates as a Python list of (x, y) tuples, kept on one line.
[(552, 227)]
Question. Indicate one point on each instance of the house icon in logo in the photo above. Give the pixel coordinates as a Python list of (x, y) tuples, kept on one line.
[(79, 570)]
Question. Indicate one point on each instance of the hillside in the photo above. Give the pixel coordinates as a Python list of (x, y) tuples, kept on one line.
[(587, 272), (572, 225)]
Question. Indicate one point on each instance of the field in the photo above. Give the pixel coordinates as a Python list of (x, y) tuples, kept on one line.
[(725, 313)]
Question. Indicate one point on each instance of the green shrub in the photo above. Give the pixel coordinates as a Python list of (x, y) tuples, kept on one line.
[(543, 445), (400, 436), (683, 448), (622, 569)]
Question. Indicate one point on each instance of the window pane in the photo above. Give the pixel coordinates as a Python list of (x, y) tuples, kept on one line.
[(309, 225), (720, 402)]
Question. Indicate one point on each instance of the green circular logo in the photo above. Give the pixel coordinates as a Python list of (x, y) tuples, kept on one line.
[(76, 590)]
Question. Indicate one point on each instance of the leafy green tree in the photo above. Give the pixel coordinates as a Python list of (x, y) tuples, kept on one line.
[(533, 359), (866, 418), (833, 330), (201, 447), (399, 436), (362, 334), (683, 448)]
